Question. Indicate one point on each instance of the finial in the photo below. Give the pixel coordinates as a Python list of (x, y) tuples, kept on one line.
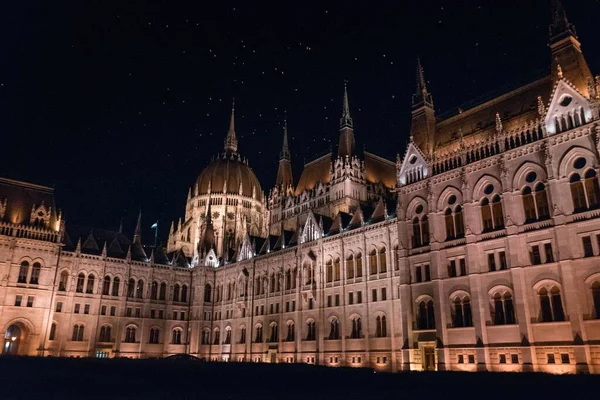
[(421, 94), (346, 120), (560, 24), (559, 71), (498, 123), (540, 106)]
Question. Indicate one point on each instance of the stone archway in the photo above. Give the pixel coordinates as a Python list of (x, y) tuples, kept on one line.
[(15, 339)]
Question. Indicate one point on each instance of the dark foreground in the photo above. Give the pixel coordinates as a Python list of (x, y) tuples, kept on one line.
[(28, 378)]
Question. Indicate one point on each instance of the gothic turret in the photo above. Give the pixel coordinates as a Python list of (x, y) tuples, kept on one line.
[(284, 172), (207, 240), (566, 50), (423, 115), (346, 145)]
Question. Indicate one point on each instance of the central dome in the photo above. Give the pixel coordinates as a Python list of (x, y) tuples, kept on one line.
[(230, 171)]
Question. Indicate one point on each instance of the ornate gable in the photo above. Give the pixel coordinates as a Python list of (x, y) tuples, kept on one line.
[(246, 249), (568, 108), (414, 167), (312, 229)]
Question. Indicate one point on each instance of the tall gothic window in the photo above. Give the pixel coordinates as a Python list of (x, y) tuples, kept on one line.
[(425, 315), (176, 292), (35, 273), (334, 329), (373, 262), (23, 272), (382, 260), (139, 290), (356, 328), (115, 286), (207, 293), (350, 267), (551, 308), (492, 215), (380, 326), (64, 281), (454, 223), (359, 266), (184, 293), (80, 282), (503, 312), (462, 312), (106, 286), (90, 283)]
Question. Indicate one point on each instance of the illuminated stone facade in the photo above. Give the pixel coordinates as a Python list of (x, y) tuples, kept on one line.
[(488, 258)]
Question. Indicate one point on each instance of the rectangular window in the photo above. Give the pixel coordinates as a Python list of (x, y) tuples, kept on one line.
[(182, 315), (161, 314), (548, 252), (329, 301), (287, 306), (271, 309), (383, 294), (262, 309), (502, 256), (293, 305), (175, 315), (471, 358), (256, 312), (374, 295), (153, 313), (463, 266), (138, 313), (351, 298), (86, 309), (587, 246), (310, 304), (359, 297), (359, 359), (418, 274), (337, 300), (550, 358), (76, 309), (452, 269), (384, 359), (502, 358), (128, 312), (491, 262), (277, 308), (103, 310), (427, 273), (18, 300), (59, 306), (514, 358), (535, 255), (243, 313), (113, 311), (461, 359), (29, 301), (564, 358)]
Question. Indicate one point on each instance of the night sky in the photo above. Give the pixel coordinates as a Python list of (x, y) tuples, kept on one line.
[(120, 105)]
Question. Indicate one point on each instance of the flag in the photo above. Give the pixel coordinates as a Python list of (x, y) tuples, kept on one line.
[(154, 225)]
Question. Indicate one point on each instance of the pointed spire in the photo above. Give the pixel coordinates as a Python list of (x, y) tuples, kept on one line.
[(285, 150), (121, 226), (137, 236), (284, 171), (231, 142), (78, 246), (421, 95), (560, 27), (346, 120), (104, 249)]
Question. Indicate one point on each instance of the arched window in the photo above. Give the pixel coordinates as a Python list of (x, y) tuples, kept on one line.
[(77, 333), (130, 334), (106, 286), (541, 201), (425, 315), (115, 287), (80, 281), (334, 329), (373, 262), (449, 220), (227, 336), (287, 280), (154, 290), (551, 308), (274, 336), (528, 205), (311, 330), (350, 267), (337, 273), (592, 189), (492, 215), (162, 294), (154, 336), (242, 335), (90, 284), (291, 332), (462, 312), (184, 290), (64, 281), (382, 260), (258, 338), (23, 272), (52, 335), (503, 312), (577, 193), (139, 290), (176, 336), (35, 273), (205, 337), (425, 230), (131, 288), (207, 293), (359, 267), (416, 236), (176, 292), (329, 271), (596, 298), (105, 334), (380, 326), (356, 332)]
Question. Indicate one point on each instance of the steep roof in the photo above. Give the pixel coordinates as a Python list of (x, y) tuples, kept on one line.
[(314, 172), (380, 170), (21, 197)]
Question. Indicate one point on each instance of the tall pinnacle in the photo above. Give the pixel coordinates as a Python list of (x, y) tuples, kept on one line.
[(207, 241), (346, 120), (137, 236), (284, 172), (285, 150), (560, 27), (421, 95), (231, 142)]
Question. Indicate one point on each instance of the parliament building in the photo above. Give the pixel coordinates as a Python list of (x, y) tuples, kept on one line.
[(478, 249)]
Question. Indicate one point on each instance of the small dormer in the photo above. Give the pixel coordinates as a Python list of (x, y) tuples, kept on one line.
[(414, 167), (40, 215), (568, 108), (312, 229)]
